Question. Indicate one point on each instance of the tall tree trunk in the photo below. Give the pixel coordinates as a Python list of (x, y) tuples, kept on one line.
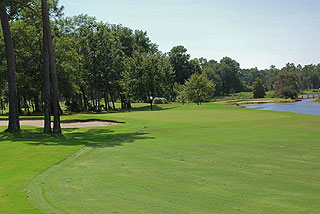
[(19, 110), (36, 103), (122, 101), (106, 101), (98, 99), (52, 66), (14, 123), (128, 103), (95, 103), (85, 99), (32, 105), (60, 109), (1, 105), (46, 77), (112, 100), (26, 106), (151, 105)]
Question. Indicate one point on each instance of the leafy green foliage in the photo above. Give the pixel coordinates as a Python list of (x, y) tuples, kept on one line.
[(199, 89), (98, 61), (179, 59), (287, 85), (148, 76), (225, 75), (258, 89)]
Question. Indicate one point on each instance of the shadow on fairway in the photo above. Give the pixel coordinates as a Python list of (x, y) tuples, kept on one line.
[(97, 138), (145, 108)]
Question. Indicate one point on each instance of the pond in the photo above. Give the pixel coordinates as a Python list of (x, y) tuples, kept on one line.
[(306, 106)]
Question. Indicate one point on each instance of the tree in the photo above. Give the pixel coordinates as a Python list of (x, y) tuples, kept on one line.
[(179, 91), (148, 77), (287, 85), (210, 69), (179, 60), (49, 54), (14, 124), (228, 70), (258, 88), (199, 89)]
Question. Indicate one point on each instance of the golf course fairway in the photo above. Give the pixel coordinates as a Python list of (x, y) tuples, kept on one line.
[(209, 158)]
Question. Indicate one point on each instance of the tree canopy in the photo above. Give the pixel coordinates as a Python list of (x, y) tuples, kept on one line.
[(258, 89), (99, 64), (198, 89)]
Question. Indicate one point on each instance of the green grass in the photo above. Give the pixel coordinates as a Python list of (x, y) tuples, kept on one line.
[(306, 92), (179, 159), (244, 96)]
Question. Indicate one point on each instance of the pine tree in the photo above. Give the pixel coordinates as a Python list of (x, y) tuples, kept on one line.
[(259, 90)]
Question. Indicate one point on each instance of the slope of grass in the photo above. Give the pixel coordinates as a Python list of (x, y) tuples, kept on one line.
[(186, 159), (21, 160)]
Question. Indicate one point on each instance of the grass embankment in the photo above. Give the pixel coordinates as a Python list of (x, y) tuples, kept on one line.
[(310, 92), (188, 159)]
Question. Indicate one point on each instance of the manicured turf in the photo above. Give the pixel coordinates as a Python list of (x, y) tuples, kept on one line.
[(188, 159)]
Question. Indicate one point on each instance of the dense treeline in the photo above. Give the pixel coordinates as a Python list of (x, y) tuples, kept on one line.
[(99, 64)]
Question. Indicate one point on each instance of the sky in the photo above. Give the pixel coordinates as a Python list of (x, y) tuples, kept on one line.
[(256, 33)]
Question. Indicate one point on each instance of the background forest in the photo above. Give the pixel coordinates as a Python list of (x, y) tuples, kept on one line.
[(99, 64)]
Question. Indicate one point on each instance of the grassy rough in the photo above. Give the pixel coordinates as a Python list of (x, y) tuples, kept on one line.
[(187, 159)]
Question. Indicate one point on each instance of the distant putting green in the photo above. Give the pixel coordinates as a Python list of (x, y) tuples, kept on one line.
[(182, 159)]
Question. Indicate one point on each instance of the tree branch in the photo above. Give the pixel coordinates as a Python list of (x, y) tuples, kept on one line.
[(21, 3)]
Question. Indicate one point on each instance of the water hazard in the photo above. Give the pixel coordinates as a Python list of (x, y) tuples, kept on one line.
[(306, 106)]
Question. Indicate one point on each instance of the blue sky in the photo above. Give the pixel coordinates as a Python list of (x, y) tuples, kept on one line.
[(256, 33)]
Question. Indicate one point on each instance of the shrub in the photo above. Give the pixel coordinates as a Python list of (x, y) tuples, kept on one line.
[(73, 106), (258, 89), (287, 85)]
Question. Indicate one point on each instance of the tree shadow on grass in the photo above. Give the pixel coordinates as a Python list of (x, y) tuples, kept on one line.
[(145, 108), (96, 138)]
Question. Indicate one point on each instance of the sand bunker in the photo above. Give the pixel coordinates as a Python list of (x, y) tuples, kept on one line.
[(65, 124)]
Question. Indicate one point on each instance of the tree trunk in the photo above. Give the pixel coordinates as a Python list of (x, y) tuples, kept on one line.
[(122, 101), (95, 101), (14, 123), (85, 100), (19, 110), (128, 104), (26, 106), (98, 99), (52, 66), (46, 77), (1, 105), (106, 101), (32, 105), (36, 103), (112, 100)]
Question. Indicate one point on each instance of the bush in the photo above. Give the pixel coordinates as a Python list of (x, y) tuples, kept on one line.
[(236, 96), (259, 90), (288, 92), (287, 85), (270, 94), (73, 106)]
